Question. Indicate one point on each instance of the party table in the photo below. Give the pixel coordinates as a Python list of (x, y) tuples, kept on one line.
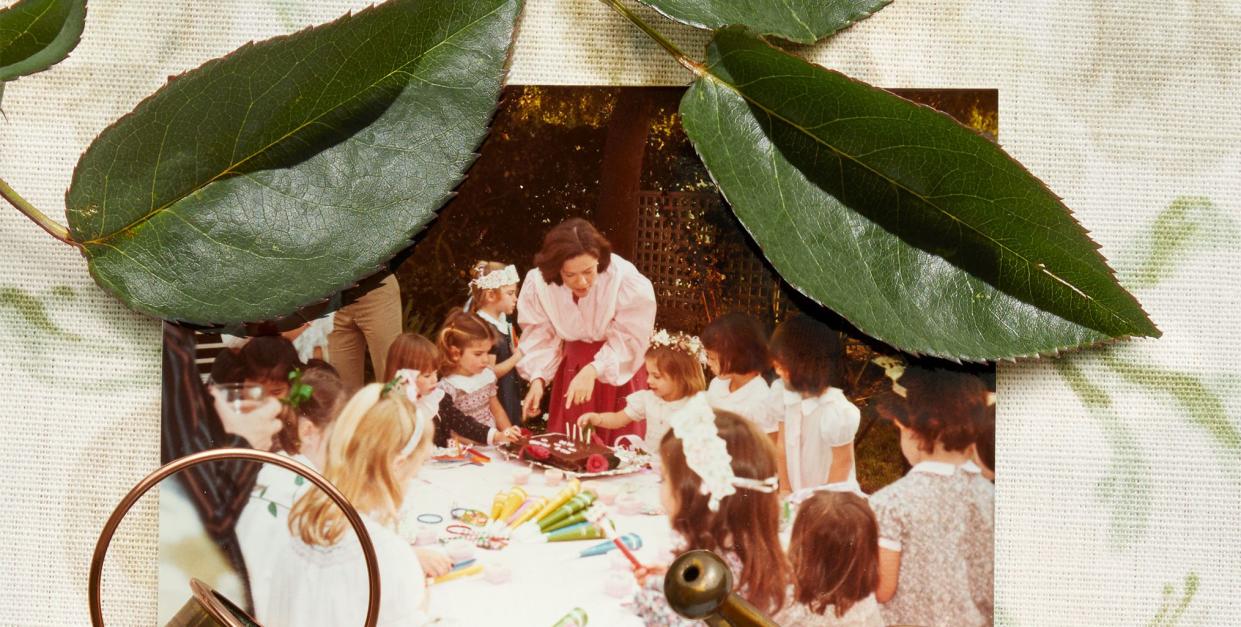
[(548, 580)]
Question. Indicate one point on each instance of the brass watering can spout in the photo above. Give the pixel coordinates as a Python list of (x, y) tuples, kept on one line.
[(206, 607), (699, 586)]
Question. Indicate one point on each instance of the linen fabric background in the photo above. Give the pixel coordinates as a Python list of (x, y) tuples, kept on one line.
[(1120, 468)]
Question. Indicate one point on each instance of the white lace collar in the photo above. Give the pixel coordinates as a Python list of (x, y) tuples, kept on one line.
[(935, 468), (501, 323), (473, 383)]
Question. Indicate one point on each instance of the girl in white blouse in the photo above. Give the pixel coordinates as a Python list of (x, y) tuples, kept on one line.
[(737, 355), (674, 374), (375, 448), (818, 423)]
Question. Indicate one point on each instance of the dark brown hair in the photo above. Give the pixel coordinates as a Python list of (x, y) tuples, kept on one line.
[(940, 405), (739, 341), (569, 239), (747, 522), (227, 367), (984, 440), (327, 395), (269, 358), (679, 366), (459, 330), (811, 353), (410, 350), (834, 552)]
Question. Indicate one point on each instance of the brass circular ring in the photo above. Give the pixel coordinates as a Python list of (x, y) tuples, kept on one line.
[(109, 528)]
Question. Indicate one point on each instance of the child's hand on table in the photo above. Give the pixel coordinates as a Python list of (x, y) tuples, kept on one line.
[(646, 572), (434, 562), (508, 435)]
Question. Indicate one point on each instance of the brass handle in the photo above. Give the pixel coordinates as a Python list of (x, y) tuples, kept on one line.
[(122, 508), (699, 585)]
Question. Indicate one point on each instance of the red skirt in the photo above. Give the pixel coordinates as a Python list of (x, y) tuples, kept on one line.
[(606, 398)]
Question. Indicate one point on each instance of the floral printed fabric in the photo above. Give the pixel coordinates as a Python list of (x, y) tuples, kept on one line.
[(934, 517)]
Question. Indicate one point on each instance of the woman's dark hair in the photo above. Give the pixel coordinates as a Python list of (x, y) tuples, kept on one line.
[(739, 341), (811, 353), (269, 358), (747, 522), (941, 404), (227, 367), (834, 552), (572, 238)]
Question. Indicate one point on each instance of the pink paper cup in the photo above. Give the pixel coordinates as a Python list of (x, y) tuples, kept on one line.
[(552, 477), (521, 476)]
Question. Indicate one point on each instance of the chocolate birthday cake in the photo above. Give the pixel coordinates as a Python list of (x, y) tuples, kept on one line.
[(558, 451)]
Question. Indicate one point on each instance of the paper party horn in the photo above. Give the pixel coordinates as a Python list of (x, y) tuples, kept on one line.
[(573, 506), (576, 532), (528, 507), (526, 513), (497, 503), (468, 571), (631, 540), (575, 618), (561, 498), (511, 502), (579, 517)]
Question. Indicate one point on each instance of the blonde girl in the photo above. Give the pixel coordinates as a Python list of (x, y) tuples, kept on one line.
[(376, 446)]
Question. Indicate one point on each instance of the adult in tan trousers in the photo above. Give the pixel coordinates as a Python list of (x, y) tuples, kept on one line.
[(368, 324)]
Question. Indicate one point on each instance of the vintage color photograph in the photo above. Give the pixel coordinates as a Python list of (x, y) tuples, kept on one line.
[(582, 369)]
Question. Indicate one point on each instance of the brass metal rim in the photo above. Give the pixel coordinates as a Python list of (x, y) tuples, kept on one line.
[(109, 528)]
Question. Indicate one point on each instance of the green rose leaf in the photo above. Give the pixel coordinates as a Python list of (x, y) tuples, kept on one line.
[(917, 230), (271, 509), (289, 169), (37, 34), (800, 21)]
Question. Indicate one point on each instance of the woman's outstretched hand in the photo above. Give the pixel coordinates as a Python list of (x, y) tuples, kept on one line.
[(582, 387), (534, 399)]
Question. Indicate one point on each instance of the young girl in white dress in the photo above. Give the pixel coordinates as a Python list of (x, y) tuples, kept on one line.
[(936, 530), (818, 423), (737, 355), (465, 343), (263, 527), (674, 374), (376, 447), (834, 552)]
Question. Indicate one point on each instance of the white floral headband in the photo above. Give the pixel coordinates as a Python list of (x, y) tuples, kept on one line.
[(497, 278), (893, 368), (405, 378), (680, 341), (707, 455)]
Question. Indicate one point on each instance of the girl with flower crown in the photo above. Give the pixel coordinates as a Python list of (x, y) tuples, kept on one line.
[(673, 374), (493, 297), (719, 491), (375, 448), (586, 316)]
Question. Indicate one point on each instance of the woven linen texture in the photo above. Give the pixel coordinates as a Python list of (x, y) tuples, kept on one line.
[(1120, 468)]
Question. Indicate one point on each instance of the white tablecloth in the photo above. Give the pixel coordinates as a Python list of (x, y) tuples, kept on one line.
[(548, 579)]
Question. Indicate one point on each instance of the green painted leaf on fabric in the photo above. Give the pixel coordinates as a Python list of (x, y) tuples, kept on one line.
[(800, 21), (37, 34), (291, 168), (919, 231)]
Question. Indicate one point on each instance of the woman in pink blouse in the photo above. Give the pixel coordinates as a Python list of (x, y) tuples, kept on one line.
[(587, 316)]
